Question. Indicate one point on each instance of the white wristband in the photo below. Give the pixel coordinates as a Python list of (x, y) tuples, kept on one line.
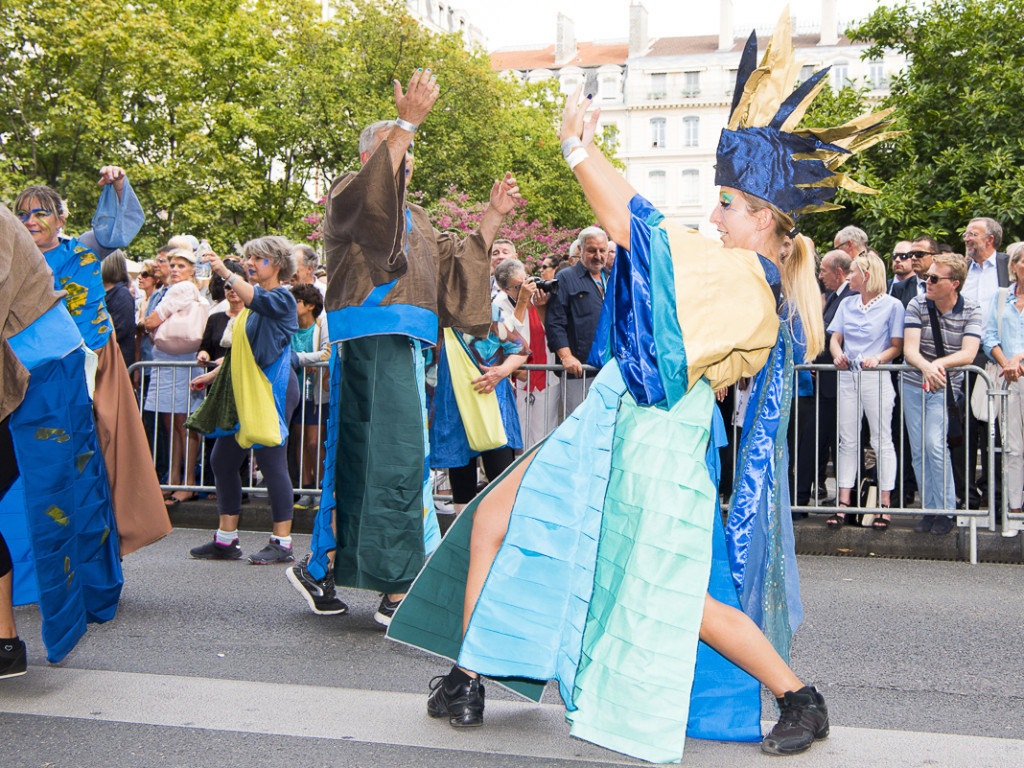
[(569, 145), (405, 125), (231, 280), (576, 157)]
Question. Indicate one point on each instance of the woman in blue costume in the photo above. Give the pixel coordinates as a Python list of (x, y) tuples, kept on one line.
[(600, 560), (75, 262)]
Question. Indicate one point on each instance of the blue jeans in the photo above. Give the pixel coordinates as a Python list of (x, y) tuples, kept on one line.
[(936, 483)]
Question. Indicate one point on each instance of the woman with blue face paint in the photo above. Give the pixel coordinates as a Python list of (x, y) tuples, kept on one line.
[(600, 559), (256, 384)]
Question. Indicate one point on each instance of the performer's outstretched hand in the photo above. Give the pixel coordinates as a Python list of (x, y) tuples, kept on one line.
[(573, 114), (415, 104), (504, 194), (113, 174)]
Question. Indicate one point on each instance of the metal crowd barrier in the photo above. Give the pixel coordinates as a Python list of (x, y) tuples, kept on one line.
[(181, 373), (541, 410)]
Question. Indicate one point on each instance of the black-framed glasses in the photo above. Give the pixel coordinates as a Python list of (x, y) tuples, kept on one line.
[(933, 279), (919, 254), (901, 256)]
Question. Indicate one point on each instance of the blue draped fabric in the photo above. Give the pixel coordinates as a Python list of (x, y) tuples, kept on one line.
[(324, 538), (59, 513), (76, 269)]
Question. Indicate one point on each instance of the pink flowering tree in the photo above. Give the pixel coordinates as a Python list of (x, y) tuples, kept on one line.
[(533, 240)]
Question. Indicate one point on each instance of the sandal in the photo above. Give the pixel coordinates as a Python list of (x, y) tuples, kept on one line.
[(880, 523), (174, 501), (839, 518)]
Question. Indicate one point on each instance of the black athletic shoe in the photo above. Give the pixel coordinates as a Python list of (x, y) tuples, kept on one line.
[(463, 705), (214, 551), (319, 593), (272, 554), (803, 719), (13, 658), (385, 611)]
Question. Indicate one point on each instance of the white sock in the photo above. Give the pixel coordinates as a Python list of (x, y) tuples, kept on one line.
[(284, 541), (226, 538)]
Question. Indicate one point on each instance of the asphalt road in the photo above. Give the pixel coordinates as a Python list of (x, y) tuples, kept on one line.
[(221, 664)]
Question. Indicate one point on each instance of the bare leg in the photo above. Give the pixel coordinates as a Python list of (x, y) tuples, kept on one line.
[(7, 628), (735, 636)]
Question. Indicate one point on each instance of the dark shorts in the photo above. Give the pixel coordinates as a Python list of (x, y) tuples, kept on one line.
[(310, 413)]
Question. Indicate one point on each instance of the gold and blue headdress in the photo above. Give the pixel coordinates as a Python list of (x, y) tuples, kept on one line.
[(759, 152)]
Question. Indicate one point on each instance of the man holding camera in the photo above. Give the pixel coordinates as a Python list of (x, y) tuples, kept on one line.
[(574, 309)]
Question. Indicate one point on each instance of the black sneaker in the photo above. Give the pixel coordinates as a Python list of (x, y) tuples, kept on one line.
[(925, 524), (214, 551), (318, 593), (272, 554), (942, 525), (13, 658), (803, 719), (463, 705), (385, 611)]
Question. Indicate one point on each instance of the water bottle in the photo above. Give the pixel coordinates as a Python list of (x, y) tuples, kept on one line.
[(203, 268)]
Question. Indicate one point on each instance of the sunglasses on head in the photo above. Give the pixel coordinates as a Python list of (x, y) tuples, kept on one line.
[(919, 254)]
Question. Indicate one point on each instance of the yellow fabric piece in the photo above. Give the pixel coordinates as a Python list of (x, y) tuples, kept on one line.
[(480, 413), (723, 346), (258, 423)]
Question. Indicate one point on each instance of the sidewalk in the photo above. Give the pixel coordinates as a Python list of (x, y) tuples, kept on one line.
[(813, 536)]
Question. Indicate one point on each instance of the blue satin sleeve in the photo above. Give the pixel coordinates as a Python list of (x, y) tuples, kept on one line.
[(626, 327)]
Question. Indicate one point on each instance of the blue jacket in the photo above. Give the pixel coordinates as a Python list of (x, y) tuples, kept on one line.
[(573, 312)]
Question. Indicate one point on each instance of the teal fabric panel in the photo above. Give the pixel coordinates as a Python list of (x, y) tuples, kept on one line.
[(651, 579), (530, 617), (379, 469), (430, 616)]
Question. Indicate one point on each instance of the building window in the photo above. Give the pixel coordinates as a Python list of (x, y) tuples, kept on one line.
[(691, 131), (659, 86), (876, 75), (658, 132), (568, 83), (656, 187), (806, 72), (609, 88), (691, 84), (840, 75), (689, 191)]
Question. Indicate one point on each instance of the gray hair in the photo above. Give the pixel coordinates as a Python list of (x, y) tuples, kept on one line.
[(574, 249), (308, 255), (113, 268), (1015, 251), (508, 269), (852, 234), (838, 259), (993, 228), (368, 137), (275, 249), (587, 233)]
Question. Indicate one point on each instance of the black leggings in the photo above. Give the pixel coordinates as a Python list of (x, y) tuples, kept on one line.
[(463, 479), (226, 458), (8, 474)]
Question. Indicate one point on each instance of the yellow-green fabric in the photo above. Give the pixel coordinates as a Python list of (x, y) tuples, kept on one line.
[(479, 411), (258, 421)]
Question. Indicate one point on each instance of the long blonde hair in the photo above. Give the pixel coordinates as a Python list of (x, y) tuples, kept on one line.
[(799, 280)]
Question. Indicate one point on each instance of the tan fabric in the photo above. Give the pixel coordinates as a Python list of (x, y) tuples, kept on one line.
[(725, 306), (26, 293), (134, 489), (365, 235)]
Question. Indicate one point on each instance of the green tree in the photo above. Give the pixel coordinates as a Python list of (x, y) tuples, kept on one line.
[(958, 100)]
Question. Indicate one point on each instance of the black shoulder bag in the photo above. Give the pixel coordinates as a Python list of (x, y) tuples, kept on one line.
[(954, 422)]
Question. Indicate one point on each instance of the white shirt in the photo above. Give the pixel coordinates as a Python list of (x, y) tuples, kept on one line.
[(982, 282)]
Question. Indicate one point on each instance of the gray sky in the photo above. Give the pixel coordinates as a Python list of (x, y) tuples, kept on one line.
[(532, 22)]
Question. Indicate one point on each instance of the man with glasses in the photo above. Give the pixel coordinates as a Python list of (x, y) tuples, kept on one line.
[(988, 270), (902, 268), (924, 391), (852, 240), (922, 249)]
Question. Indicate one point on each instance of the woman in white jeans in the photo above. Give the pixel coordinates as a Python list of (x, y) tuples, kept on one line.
[(867, 331), (1004, 343)]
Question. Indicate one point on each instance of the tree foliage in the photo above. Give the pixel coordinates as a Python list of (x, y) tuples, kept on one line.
[(958, 100), (231, 117)]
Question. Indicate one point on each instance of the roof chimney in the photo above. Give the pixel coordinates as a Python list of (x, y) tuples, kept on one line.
[(565, 39), (725, 36), (638, 39), (829, 23)]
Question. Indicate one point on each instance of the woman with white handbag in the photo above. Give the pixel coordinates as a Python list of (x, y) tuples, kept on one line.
[(176, 326)]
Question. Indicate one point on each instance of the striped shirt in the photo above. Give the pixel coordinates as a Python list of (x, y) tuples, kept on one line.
[(964, 319)]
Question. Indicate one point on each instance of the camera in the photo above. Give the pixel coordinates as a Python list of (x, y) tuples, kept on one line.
[(551, 286)]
